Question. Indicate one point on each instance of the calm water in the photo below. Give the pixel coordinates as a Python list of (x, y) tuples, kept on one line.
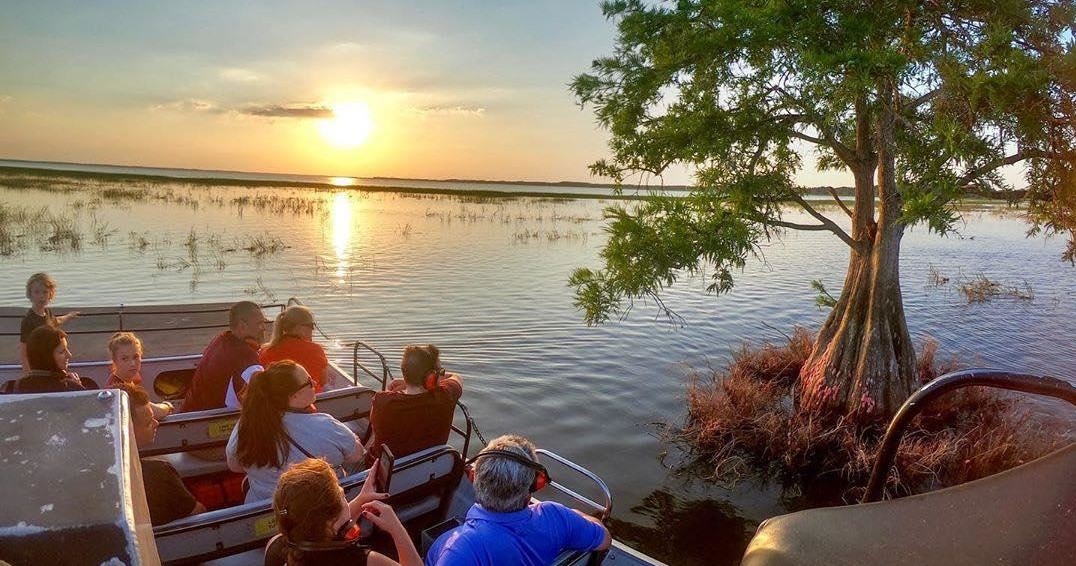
[(486, 281)]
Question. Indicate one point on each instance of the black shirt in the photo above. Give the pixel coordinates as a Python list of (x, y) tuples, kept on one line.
[(276, 554), (41, 381), (167, 496), (31, 321)]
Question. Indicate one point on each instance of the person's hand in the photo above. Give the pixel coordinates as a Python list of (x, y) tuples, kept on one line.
[(397, 385), (383, 517), (67, 317), (367, 494)]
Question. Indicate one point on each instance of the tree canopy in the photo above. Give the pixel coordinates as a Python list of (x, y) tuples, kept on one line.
[(925, 102)]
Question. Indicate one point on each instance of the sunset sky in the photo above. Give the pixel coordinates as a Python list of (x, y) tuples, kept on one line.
[(474, 89)]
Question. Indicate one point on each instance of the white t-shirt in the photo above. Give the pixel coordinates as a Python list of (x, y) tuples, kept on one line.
[(318, 433)]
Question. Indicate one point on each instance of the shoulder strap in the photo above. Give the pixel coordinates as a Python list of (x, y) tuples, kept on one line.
[(284, 431)]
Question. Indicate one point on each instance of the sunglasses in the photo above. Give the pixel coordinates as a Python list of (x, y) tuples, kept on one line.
[(308, 383)]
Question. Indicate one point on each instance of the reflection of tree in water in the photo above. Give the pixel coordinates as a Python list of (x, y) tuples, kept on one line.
[(687, 532)]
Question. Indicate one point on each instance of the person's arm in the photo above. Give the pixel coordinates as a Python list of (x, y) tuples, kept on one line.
[(453, 383), (22, 357), (162, 409), (198, 508), (357, 454), (60, 320), (607, 541), (384, 518), (231, 450)]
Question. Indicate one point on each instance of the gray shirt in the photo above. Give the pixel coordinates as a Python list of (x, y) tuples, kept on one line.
[(318, 433)]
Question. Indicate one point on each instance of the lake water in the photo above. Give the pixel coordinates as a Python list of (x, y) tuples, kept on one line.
[(486, 281)]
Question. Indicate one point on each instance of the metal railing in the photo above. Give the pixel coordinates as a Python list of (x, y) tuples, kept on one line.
[(1026, 383), (605, 509)]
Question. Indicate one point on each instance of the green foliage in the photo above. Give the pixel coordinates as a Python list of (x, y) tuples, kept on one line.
[(942, 94), (822, 297)]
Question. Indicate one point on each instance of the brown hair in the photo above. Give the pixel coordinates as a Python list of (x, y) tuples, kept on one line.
[(137, 396), (287, 320), (306, 502), (260, 438), (40, 345), (418, 362), (44, 279)]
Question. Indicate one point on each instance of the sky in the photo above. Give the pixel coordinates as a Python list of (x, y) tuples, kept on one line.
[(445, 89)]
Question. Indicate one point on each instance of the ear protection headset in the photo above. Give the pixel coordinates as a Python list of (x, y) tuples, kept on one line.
[(433, 378), (541, 475), (346, 536)]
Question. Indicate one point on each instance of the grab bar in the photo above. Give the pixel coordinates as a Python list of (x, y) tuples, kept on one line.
[(606, 510)]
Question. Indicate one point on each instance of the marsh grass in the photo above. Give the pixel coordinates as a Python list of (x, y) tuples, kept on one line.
[(742, 422), (981, 289)]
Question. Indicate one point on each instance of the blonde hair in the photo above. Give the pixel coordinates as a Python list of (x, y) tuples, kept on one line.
[(43, 278), (287, 320), (123, 339)]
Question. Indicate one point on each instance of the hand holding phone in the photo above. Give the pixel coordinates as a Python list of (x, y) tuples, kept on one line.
[(383, 473)]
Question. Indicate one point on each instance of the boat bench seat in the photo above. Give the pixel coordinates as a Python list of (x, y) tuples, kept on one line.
[(1026, 515)]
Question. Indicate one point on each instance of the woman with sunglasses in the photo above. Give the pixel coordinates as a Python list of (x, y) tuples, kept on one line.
[(317, 522), (293, 339), (277, 428)]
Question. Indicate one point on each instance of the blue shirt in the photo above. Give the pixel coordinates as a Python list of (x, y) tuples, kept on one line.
[(533, 536)]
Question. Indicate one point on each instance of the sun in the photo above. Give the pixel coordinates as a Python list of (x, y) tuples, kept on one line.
[(349, 127)]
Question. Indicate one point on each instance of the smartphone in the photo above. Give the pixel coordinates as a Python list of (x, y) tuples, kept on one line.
[(384, 470)]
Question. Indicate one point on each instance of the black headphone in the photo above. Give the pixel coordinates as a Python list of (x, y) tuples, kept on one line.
[(541, 475), (348, 535)]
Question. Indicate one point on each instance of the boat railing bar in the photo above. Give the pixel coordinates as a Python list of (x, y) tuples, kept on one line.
[(606, 510), (121, 328), (386, 372), (976, 377), (103, 363), (120, 311)]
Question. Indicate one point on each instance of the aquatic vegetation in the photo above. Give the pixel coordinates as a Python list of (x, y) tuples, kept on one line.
[(261, 245), (742, 420), (934, 277), (981, 289)]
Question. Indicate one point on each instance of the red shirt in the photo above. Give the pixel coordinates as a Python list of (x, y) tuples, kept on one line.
[(307, 354), (222, 366), (409, 423)]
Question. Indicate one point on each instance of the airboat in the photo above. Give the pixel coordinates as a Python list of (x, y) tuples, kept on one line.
[(72, 486)]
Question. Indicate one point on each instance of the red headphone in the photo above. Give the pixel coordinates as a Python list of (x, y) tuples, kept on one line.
[(433, 378), (541, 475)]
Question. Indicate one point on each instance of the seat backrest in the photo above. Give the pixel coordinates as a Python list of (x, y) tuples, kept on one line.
[(230, 531), (184, 432), (410, 423)]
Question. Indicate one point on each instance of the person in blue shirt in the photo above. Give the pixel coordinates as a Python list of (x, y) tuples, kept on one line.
[(504, 526)]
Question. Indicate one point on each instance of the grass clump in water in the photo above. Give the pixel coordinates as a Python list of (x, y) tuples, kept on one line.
[(742, 421)]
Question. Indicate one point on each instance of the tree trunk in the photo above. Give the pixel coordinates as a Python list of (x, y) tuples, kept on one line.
[(863, 362)]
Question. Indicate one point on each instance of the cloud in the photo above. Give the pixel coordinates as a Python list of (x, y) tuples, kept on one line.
[(239, 75), (464, 111), (291, 110), (288, 111), (188, 105)]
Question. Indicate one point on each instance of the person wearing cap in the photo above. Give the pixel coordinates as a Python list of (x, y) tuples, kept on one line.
[(504, 526)]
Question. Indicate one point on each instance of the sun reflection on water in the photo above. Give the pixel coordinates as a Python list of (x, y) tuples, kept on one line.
[(342, 225), (342, 181)]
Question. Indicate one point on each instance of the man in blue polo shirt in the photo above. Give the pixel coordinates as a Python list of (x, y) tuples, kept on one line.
[(503, 526)]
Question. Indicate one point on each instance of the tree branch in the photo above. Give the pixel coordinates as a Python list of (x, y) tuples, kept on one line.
[(1017, 157), (826, 222), (912, 105), (844, 207)]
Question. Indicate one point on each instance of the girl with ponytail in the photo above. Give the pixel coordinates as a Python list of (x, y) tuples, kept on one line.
[(293, 339), (277, 428)]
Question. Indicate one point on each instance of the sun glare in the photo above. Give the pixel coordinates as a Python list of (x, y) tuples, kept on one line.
[(349, 127)]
